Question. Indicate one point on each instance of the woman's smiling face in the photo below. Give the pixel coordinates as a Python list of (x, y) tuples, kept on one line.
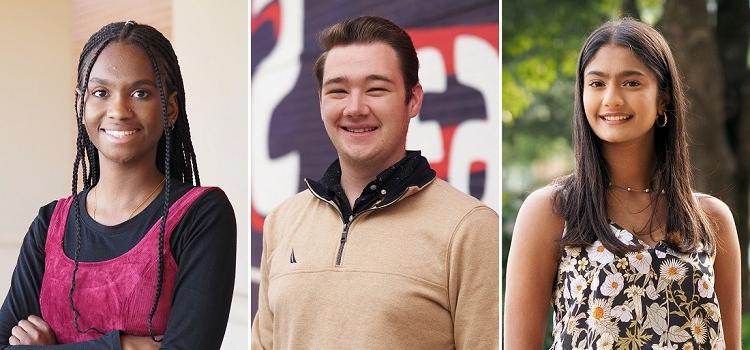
[(123, 112), (620, 95)]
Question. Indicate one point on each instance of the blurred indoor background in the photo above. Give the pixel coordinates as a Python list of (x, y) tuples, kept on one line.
[(41, 42)]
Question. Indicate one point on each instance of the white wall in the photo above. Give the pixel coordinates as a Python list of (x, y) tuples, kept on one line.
[(37, 119), (215, 75)]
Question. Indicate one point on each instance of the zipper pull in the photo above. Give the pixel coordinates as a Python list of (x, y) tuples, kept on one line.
[(345, 232)]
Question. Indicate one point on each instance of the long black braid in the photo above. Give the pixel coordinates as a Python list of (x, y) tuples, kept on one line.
[(175, 156)]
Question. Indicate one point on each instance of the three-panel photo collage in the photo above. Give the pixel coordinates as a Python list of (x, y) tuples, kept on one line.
[(299, 174)]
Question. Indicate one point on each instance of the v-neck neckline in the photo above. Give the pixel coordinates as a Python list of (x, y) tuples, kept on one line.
[(637, 240)]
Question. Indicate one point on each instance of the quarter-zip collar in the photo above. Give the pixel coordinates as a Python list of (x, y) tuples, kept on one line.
[(388, 186)]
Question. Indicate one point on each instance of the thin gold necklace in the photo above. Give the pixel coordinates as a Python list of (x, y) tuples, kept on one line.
[(96, 201), (632, 189)]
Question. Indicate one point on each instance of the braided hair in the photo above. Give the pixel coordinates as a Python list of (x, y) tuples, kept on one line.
[(175, 156)]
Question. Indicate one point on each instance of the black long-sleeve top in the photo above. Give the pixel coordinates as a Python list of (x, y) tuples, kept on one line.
[(203, 244)]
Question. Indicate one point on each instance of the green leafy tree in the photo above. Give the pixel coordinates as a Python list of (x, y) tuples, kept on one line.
[(710, 38)]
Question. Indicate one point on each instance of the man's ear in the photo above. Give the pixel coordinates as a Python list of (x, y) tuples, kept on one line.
[(415, 103), (173, 109)]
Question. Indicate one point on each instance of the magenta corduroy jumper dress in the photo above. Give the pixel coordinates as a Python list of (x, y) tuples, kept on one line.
[(115, 294)]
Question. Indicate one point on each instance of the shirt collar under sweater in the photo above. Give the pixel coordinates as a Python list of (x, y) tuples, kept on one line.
[(412, 170)]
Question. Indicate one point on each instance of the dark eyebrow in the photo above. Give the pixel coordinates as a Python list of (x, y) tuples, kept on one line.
[(627, 73), (335, 80), (145, 82), (379, 77), (99, 81), (371, 77), (106, 82)]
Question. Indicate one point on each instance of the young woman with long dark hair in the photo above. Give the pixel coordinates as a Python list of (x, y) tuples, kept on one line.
[(628, 255), (142, 255)]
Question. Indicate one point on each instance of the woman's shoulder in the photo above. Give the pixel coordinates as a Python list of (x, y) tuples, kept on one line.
[(202, 195), (543, 200), (538, 213), (712, 205), (718, 212), (213, 198), (45, 212)]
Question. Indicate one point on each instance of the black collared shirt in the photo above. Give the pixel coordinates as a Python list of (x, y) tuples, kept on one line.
[(412, 170)]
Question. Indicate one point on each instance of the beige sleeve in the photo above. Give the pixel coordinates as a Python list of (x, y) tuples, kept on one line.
[(262, 329), (473, 280)]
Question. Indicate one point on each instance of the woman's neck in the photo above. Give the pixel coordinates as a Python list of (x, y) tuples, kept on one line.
[(630, 164), (123, 191)]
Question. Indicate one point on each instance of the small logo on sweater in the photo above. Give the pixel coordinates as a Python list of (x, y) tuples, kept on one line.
[(292, 259)]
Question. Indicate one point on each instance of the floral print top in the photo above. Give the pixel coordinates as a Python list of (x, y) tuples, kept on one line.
[(656, 298)]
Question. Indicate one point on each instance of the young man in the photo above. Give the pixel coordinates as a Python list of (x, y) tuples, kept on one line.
[(378, 254)]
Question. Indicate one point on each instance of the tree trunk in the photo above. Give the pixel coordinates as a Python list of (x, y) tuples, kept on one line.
[(733, 34), (630, 9), (686, 26)]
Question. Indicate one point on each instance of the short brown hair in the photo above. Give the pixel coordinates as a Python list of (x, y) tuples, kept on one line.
[(371, 29)]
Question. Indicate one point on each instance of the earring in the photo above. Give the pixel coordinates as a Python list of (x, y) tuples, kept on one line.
[(661, 125)]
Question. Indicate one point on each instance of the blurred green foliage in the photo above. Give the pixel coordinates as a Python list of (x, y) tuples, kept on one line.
[(540, 43), (541, 39)]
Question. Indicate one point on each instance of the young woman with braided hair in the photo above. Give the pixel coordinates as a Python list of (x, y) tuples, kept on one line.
[(142, 255)]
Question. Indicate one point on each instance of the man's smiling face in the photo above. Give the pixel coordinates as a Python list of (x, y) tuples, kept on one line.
[(362, 104)]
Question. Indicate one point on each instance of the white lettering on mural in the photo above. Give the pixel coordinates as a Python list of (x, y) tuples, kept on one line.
[(425, 135), (275, 179), (476, 65)]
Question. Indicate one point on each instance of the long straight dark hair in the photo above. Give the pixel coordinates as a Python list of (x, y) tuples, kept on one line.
[(175, 157), (581, 197)]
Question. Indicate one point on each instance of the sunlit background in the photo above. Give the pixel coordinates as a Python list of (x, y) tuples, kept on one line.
[(541, 39)]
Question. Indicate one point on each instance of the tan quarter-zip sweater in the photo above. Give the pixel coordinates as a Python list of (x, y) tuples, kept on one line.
[(419, 273)]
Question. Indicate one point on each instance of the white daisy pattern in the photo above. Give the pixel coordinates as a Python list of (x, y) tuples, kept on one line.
[(673, 270), (612, 284), (599, 253), (706, 286), (577, 286), (599, 312), (606, 342), (698, 328), (623, 235), (568, 264), (640, 261), (665, 347), (712, 311), (655, 298), (622, 313)]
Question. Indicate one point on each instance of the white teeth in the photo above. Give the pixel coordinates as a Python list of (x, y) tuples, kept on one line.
[(615, 117), (359, 130), (119, 133)]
